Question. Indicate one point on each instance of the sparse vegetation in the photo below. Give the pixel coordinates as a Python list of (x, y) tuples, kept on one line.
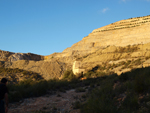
[(106, 91), (69, 75), (127, 49), (134, 22), (125, 97), (14, 75), (111, 92), (137, 62)]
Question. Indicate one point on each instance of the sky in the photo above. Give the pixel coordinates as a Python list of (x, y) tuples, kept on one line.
[(47, 26)]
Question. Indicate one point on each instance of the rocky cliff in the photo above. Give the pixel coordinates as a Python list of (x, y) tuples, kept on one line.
[(122, 33), (133, 31)]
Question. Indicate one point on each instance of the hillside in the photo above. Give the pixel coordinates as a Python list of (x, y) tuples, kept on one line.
[(121, 44), (107, 71), (122, 33), (10, 56), (16, 75), (32, 62), (120, 41), (127, 93)]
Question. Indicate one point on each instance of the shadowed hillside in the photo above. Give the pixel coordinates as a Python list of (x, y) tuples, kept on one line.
[(127, 93), (105, 93)]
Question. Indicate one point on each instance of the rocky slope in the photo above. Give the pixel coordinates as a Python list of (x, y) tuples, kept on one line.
[(110, 43), (10, 56), (104, 46), (58, 103), (122, 33), (48, 69), (32, 62)]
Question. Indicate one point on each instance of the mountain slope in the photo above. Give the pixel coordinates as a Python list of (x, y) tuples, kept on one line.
[(121, 33), (125, 40)]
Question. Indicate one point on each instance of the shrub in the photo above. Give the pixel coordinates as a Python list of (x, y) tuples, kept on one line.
[(131, 84), (76, 105), (69, 75), (27, 88), (89, 74), (101, 74), (141, 83), (124, 77), (130, 102), (146, 58), (100, 101), (137, 62), (80, 90)]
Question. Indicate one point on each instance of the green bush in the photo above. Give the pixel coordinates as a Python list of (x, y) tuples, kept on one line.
[(27, 88), (128, 88), (101, 101), (69, 75), (89, 74), (30, 88)]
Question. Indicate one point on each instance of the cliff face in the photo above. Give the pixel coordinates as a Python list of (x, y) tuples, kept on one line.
[(102, 44), (121, 33)]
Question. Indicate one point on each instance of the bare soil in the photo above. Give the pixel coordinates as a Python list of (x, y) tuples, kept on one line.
[(56, 103)]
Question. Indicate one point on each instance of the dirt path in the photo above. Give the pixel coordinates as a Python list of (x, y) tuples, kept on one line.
[(58, 103)]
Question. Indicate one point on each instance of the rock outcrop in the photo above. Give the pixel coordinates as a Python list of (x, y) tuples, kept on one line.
[(122, 33), (4, 55), (76, 68), (10, 56)]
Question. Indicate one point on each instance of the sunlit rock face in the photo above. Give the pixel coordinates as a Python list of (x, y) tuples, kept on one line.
[(76, 68), (98, 48), (121, 33), (10, 56)]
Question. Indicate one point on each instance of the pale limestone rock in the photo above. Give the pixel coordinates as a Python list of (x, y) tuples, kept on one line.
[(25, 56), (76, 68), (16, 56), (117, 61)]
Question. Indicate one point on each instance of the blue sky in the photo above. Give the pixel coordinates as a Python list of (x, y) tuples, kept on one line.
[(47, 26)]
